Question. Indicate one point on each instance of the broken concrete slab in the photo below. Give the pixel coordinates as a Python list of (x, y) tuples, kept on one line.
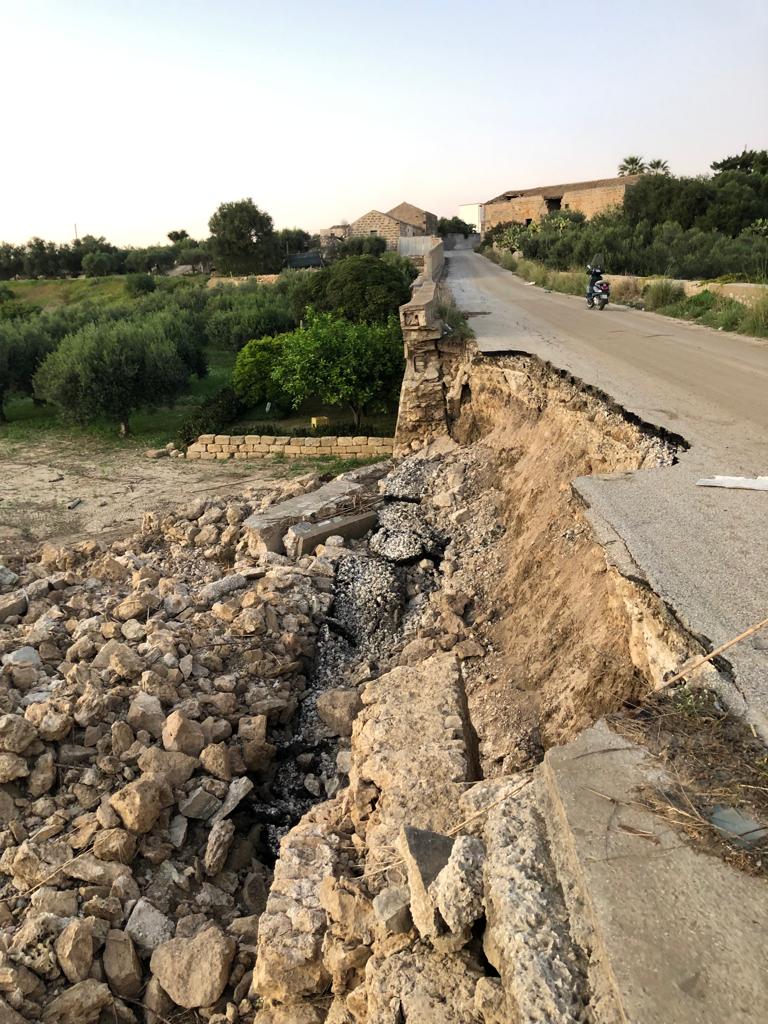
[(425, 855), (667, 926), (303, 538), (265, 530)]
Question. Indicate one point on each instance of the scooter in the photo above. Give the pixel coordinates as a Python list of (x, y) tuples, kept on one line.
[(598, 295)]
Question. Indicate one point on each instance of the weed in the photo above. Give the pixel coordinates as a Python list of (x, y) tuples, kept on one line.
[(663, 293), (756, 319)]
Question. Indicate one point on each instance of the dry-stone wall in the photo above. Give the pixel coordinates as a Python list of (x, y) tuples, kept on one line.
[(257, 446)]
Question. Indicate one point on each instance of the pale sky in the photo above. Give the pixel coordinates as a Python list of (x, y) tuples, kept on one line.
[(131, 119)]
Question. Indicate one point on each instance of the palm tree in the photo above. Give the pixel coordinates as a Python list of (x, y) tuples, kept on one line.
[(658, 167), (632, 165)]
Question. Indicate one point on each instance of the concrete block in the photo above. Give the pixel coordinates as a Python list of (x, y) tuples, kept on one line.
[(209, 456), (303, 538), (295, 442), (251, 439), (265, 530), (267, 438), (326, 442), (221, 439), (222, 456), (205, 439), (346, 440), (237, 439), (280, 441), (194, 455)]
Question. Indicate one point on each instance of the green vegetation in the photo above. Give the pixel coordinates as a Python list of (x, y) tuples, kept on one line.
[(242, 238), (339, 362), (359, 245), (360, 288), (453, 226), (110, 370), (156, 355)]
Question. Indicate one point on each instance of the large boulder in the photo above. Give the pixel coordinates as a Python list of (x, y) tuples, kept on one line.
[(194, 972)]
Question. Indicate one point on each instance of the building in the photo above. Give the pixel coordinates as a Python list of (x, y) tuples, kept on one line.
[(472, 213), (383, 224), (526, 205), (424, 222)]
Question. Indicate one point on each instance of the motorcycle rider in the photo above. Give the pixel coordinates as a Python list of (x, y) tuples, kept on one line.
[(595, 274)]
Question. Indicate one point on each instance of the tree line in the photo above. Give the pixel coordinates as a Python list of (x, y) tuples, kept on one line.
[(242, 240)]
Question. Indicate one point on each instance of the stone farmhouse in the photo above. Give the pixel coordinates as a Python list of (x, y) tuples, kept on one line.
[(404, 221), (526, 205)]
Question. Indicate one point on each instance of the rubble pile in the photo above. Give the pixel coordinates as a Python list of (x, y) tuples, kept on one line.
[(148, 691), (171, 704)]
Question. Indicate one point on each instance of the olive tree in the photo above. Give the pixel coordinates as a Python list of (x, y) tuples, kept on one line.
[(109, 370)]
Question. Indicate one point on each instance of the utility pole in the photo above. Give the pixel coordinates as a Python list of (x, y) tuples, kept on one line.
[(75, 232)]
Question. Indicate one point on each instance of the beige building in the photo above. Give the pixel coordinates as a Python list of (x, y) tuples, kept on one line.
[(424, 222), (526, 205), (389, 228)]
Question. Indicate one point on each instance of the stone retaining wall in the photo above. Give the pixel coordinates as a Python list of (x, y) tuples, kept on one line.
[(258, 446)]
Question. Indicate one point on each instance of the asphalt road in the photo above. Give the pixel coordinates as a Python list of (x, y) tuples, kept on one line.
[(703, 550)]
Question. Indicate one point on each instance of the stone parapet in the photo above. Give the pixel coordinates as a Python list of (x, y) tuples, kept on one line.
[(257, 446)]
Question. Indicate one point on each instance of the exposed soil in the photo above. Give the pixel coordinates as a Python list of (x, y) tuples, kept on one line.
[(113, 488), (713, 759), (556, 622)]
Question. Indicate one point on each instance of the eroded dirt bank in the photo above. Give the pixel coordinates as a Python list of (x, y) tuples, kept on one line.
[(286, 788)]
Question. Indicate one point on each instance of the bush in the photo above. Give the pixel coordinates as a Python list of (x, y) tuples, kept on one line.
[(212, 416), (360, 288), (235, 315), (660, 294), (139, 284), (109, 370), (342, 363), (508, 261), (405, 266), (359, 245), (252, 376), (295, 288)]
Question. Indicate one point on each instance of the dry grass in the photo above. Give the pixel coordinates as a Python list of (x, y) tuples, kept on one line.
[(712, 758)]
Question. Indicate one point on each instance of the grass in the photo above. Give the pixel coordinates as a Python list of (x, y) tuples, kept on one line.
[(452, 316), (66, 292), (663, 296), (330, 465)]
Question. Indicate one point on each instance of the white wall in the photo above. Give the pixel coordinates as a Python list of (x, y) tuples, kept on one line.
[(472, 213)]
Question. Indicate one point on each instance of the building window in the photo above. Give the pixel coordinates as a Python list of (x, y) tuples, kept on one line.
[(372, 232)]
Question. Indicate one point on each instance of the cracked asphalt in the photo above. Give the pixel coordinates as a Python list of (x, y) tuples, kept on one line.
[(703, 550)]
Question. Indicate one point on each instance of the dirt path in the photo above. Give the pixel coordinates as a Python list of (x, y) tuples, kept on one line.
[(66, 490)]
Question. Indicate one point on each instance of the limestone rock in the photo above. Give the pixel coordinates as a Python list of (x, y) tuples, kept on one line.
[(74, 950), (148, 926), (338, 709), (16, 734), (12, 767), (121, 964), (425, 855), (458, 889), (219, 842), (115, 844), (173, 764), (181, 733), (146, 712), (194, 972), (216, 760), (81, 1004), (392, 911), (140, 803)]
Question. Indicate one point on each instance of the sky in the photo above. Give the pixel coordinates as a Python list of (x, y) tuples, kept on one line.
[(132, 119)]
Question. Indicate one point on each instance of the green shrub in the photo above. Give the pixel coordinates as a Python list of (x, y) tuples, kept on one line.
[(6, 292), (360, 288), (295, 287), (212, 415), (660, 294), (491, 254), (403, 264), (235, 315), (109, 370), (139, 284), (508, 261), (252, 378), (359, 245)]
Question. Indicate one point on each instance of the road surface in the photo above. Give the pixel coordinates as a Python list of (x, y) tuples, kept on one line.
[(703, 550)]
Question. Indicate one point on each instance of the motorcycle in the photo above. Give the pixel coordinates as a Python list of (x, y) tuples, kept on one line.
[(598, 290), (598, 295)]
